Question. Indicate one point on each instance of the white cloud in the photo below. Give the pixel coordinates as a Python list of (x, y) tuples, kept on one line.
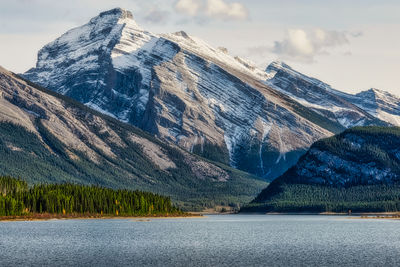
[(219, 9), (303, 45), (188, 7), (224, 10)]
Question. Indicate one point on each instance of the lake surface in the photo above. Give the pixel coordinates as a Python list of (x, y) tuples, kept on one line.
[(228, 240)]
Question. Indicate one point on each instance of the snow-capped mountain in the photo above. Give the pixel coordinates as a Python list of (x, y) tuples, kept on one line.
[(188, 93), (380, 104), (348, 110)]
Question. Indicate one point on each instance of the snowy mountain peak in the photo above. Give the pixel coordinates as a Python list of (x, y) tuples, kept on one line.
[(374, 94), (116, 16), (380, 104), (84, 47), (117, 12)]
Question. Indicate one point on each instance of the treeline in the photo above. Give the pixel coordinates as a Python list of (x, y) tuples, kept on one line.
[(317, 198), (17, 199)]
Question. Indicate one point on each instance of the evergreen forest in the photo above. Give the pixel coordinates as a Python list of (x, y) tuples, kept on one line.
[(17, 198)]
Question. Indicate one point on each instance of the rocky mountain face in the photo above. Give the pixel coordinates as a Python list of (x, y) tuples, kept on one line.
[(188, 93), (360, 165), (47, 137)]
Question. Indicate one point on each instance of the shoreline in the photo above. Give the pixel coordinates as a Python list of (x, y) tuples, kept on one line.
[(355, 214), (191, 215), (380, 217), (49, 217)]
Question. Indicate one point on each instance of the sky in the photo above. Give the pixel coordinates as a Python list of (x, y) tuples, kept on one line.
[(351, 45)]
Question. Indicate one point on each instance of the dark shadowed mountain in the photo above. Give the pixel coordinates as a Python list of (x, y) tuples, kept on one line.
[(357, 170)]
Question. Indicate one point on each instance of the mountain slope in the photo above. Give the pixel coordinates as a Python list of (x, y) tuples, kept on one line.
[(47, 137), (358, 169), (182, 90)]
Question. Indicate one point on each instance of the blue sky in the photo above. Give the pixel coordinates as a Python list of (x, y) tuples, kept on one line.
[(352, 45)]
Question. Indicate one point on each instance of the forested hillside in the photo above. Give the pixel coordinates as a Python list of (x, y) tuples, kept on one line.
[(357, 170)]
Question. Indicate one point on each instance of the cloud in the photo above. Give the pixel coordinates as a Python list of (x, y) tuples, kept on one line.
[(218, 9), (157, 16), (303, 45), (188, 7), (224, 10)]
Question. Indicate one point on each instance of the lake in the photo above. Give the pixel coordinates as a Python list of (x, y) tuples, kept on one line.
[(218, 240)]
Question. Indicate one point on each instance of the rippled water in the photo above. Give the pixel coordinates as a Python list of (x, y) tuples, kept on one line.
[(231, 240)]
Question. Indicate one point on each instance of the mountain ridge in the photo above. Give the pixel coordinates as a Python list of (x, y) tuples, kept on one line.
[(319, 96)]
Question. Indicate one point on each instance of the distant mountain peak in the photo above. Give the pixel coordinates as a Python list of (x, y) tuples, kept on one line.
[(382, 93), (376, 93)]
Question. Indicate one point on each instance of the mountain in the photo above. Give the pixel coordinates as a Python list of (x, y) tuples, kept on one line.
[(357, 170), (48, 137), (349, 110), (182, 90), (381, 104)]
